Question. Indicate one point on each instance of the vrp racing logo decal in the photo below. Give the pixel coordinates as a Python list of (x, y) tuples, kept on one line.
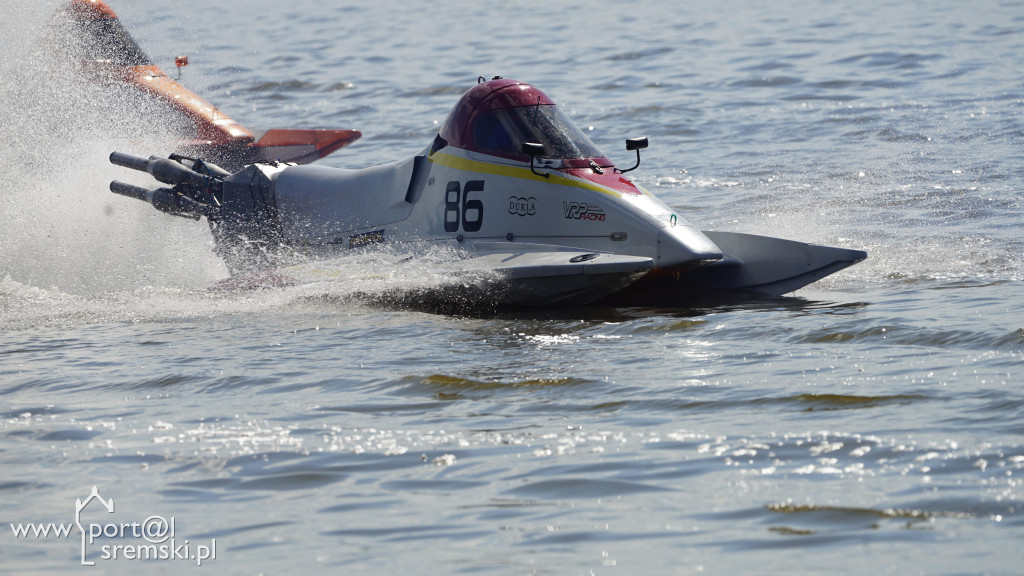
[(583, 211), (522, 206)]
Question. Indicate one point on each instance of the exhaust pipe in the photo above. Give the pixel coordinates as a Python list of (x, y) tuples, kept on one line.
[(163, 169), (165, 200)]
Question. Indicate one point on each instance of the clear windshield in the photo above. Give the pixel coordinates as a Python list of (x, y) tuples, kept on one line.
[(503, 132)]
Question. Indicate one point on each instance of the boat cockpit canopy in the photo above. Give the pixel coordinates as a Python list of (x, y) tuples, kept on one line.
[(499, 116)]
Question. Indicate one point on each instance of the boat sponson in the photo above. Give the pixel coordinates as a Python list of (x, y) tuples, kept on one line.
[(754, 265)]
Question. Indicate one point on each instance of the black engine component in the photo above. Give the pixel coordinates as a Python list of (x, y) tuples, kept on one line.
[(240, 207)]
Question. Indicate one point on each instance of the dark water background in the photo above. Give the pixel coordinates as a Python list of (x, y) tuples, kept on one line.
[(871, 423)]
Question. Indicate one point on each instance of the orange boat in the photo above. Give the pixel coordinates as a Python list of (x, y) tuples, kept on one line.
[(108, 53)]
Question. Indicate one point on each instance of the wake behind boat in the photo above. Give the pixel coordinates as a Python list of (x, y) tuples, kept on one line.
[(528, 210)]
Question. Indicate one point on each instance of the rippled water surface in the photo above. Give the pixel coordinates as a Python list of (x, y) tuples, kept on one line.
[(872, 422)]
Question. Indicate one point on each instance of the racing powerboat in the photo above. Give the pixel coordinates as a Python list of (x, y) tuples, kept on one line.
[(88, 35), (511, 201)]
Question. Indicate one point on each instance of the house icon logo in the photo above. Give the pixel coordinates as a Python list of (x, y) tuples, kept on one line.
[(80, 506), (150, 539)]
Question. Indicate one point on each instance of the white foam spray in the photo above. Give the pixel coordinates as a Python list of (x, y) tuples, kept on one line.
[(74, 253), (62, 228)]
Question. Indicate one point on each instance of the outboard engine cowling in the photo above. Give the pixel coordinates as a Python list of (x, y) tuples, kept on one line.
[(248, 231)]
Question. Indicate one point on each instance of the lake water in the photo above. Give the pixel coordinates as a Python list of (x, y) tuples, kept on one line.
[(872, 422)]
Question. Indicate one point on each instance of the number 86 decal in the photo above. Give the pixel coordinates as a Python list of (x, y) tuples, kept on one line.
[(460, 210)]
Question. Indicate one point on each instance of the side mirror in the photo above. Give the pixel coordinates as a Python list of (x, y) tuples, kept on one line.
[(637, 144), (533, 149)]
